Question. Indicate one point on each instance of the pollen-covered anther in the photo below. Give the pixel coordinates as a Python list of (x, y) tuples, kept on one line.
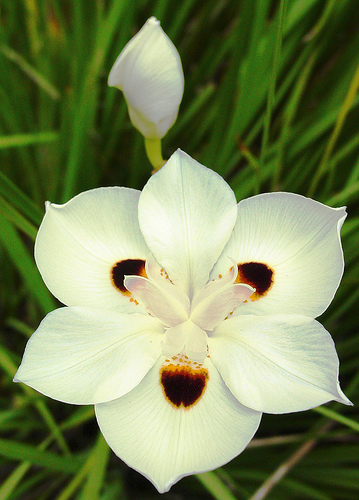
[(258, 275), (164, 274), (183, 382), (127, 267)]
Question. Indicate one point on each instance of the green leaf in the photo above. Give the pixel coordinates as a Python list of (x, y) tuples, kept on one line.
[(19, 451)]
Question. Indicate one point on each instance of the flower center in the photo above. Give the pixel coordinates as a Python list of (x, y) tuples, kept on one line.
[(186, 322)]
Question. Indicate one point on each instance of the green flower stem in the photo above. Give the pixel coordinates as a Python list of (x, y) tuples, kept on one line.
[(154, 153)]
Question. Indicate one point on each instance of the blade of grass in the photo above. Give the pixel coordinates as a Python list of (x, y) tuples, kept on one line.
[(12, 481), (288, 464), (9, 485), (333, 415), (21, 140), (95, 479), (88, 468), (88, 101), (19, 255), (20, 200), (31, 72), (17, 219), (343, 112), (345, 195), (19, 451), (350, 146), (10, 368), (289, 114), (12, 122), (32, 21), (216, 487), (273, 79)]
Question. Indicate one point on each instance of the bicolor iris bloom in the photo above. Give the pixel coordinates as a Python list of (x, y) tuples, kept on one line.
[(149, 72), (187, 315)]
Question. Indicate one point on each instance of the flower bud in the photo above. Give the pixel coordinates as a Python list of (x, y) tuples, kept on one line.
[(149, 72)]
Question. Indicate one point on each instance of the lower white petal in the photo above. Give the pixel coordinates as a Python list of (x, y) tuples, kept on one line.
[(277, 364), (84, 356), (165, 443)]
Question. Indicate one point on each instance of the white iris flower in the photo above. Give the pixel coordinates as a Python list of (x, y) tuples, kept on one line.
[(149, 72), (187, 315)]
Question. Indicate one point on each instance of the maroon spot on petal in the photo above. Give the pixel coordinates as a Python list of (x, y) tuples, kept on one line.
[(183, 385), (128, 267), (257, 275)]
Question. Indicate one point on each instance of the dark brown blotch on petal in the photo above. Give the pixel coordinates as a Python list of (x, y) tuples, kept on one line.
[(128, 267), (183, 385), (258, 275)]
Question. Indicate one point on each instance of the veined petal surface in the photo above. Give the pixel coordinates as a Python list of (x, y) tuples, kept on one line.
[(87, 356), (165, 443), (277, 364), (187, 213), (79, 242), (298, 239)]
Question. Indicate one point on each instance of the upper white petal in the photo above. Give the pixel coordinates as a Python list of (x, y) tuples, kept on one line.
[(299, 239), (277, 364), (79, 242), (165, 443), (88, 356), (149, 72), (187, 213)]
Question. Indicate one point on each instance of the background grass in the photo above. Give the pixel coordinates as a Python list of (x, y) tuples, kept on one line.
[(271, 102)]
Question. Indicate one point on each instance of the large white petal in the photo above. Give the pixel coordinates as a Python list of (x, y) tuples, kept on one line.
[(79, 242), (277, 364), (186, 213), (299, 239), (165, 443), (88, 356)]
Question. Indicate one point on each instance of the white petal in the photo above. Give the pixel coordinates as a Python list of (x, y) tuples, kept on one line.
[(187, 213), (277, 364), (79, 242), (149, 72), (89, 356), (165, 443), (297, 238)]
